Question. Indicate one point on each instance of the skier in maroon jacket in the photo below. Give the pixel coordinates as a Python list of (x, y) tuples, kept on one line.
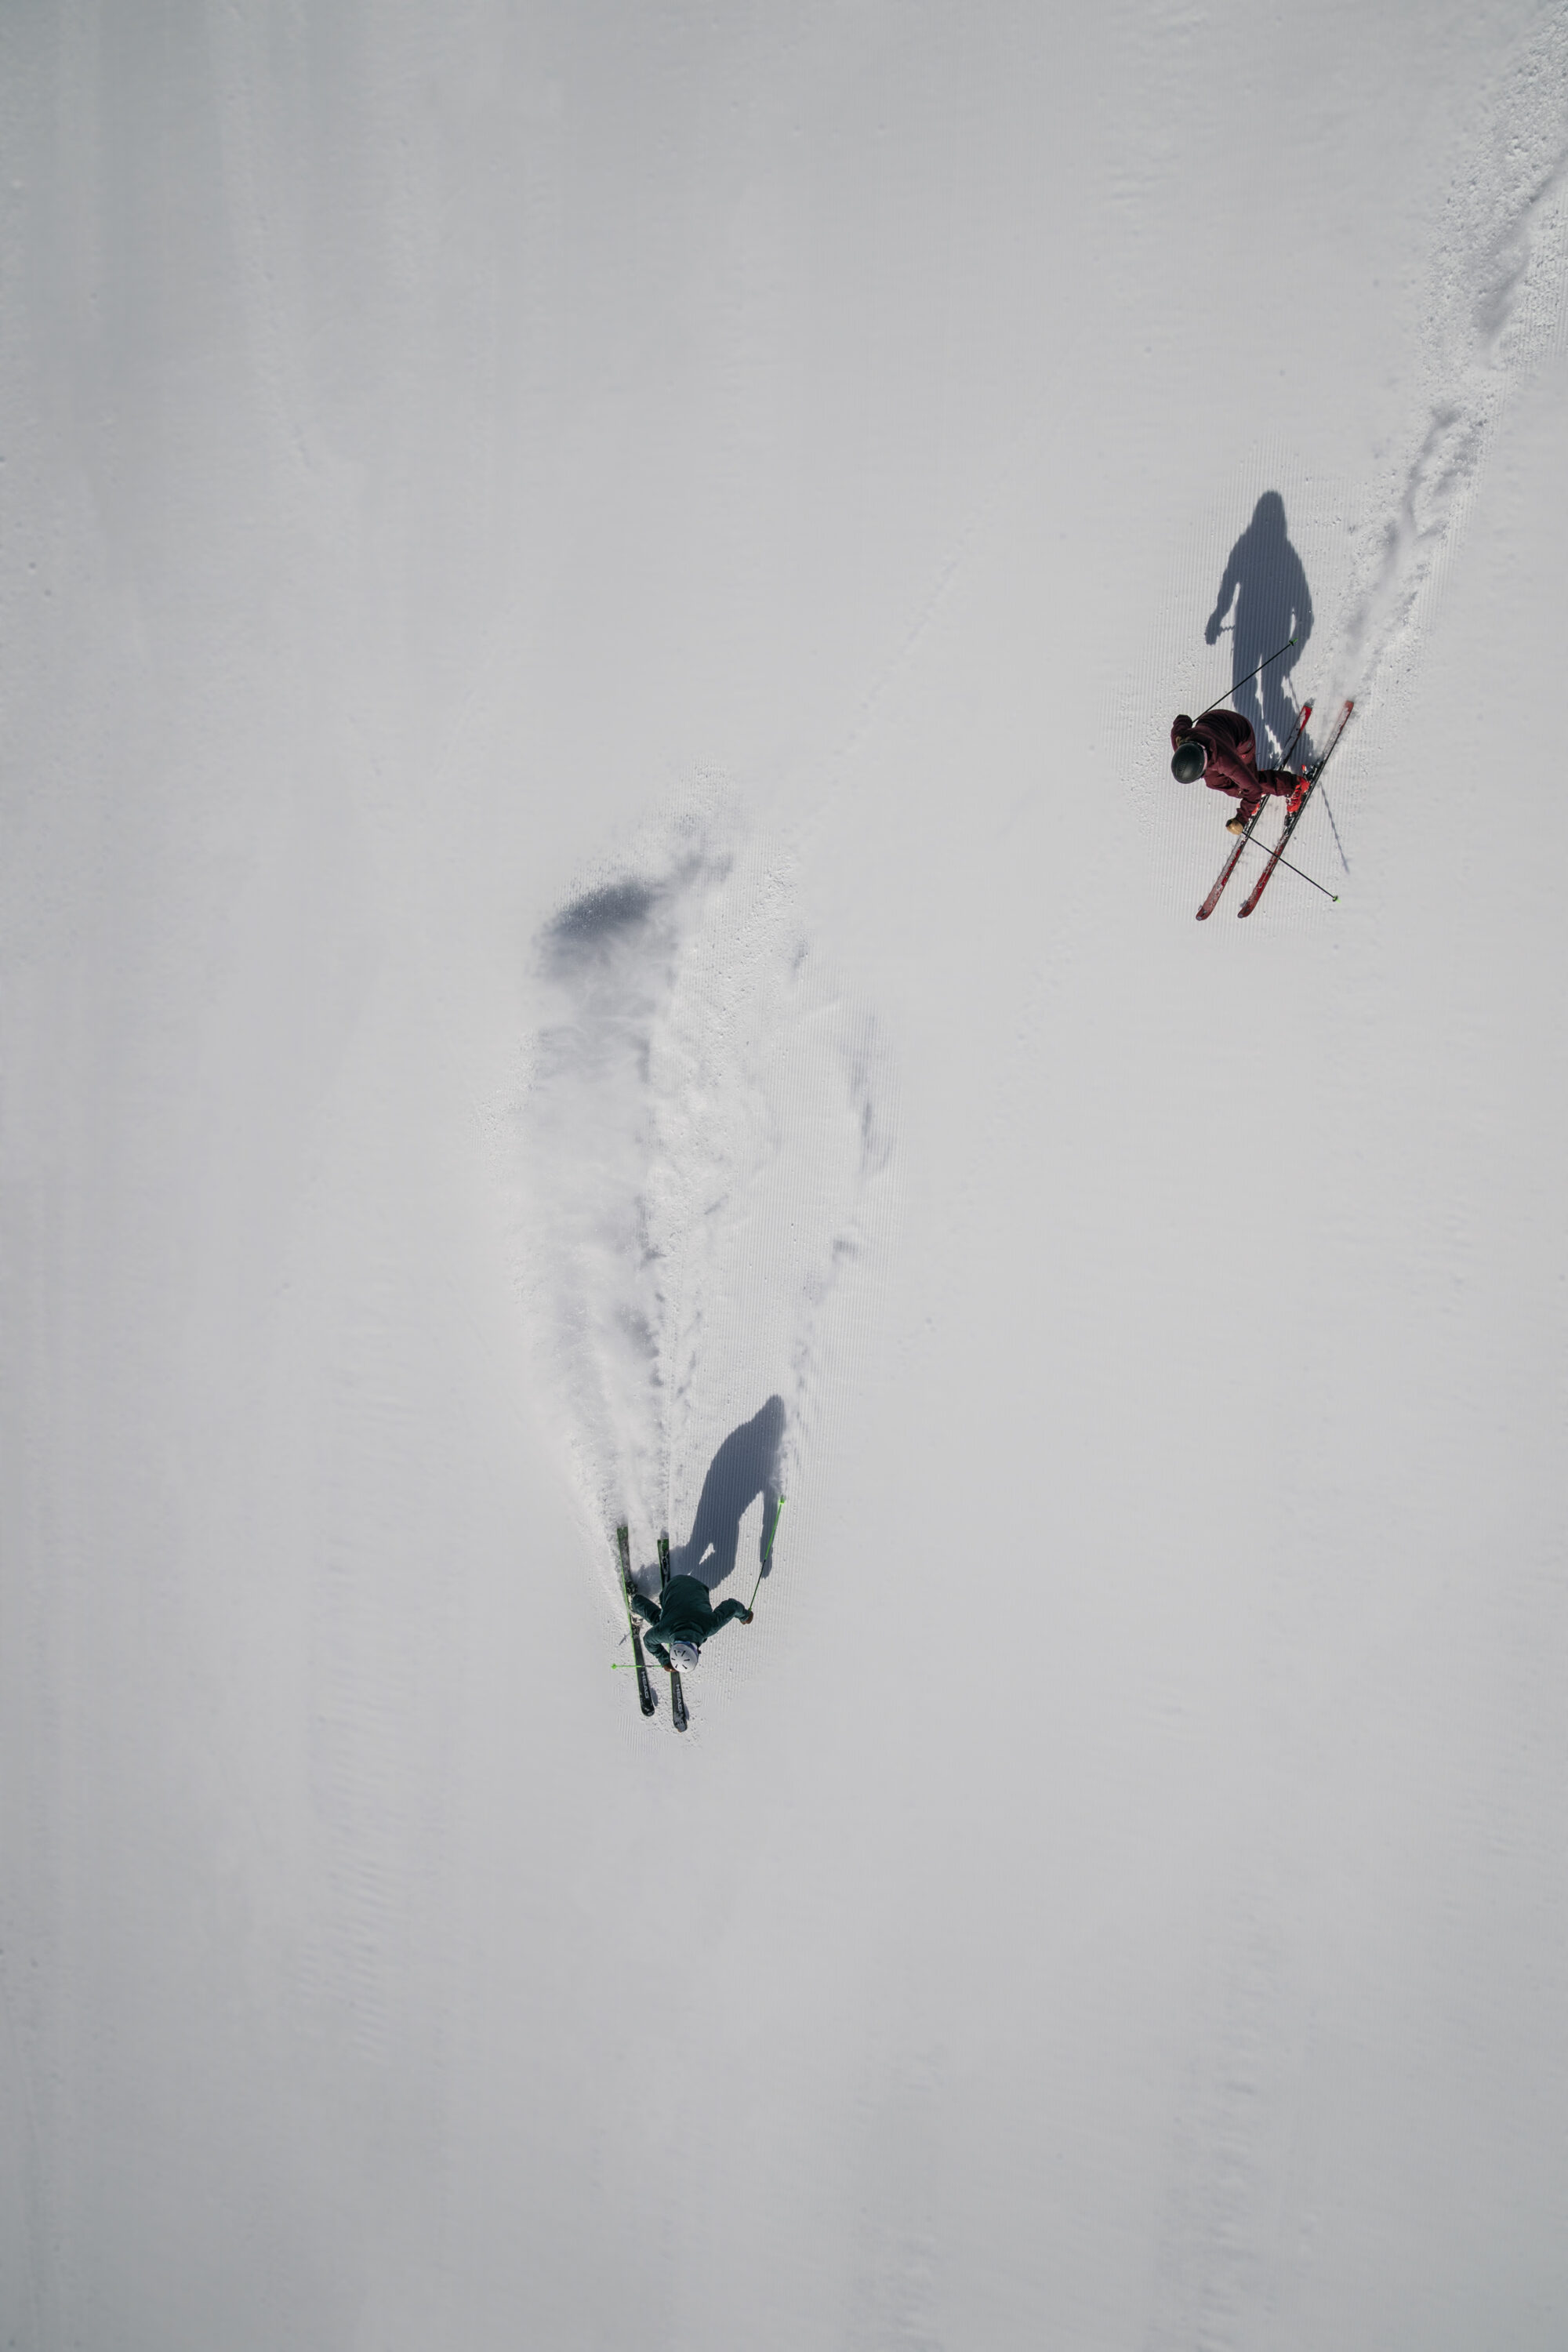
[(1221, 748)]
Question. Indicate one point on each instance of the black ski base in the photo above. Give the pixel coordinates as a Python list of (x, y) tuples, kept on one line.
[(678, 1713), (645, 1699)]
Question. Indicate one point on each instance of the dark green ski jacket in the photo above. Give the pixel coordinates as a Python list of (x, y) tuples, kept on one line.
[(684, 1612)]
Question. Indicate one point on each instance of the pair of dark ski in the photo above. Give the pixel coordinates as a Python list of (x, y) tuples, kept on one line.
[(645, 1699), (1313, 771)]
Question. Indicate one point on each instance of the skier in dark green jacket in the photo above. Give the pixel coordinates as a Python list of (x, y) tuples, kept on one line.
[(681, 1620)]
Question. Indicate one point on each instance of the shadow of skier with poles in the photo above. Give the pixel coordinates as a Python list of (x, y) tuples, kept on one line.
[(1266, 584), (747, 1465)]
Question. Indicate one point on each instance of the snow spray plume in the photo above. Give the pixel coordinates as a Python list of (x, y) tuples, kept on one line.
[(1499, 289), (703, 1125)]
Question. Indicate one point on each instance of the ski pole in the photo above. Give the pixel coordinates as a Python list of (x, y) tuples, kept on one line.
[(1250, 675), (778, 1514), (1289, 754), (1307, 877), (1251, 834)]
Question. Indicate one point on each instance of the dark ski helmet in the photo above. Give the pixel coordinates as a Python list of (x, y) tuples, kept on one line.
[(684, 1656), (1189, 761)]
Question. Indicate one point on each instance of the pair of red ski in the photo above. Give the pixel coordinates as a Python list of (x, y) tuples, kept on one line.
[(1312, 772)]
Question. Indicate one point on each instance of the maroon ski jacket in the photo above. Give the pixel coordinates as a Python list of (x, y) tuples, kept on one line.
[(1232, 749)]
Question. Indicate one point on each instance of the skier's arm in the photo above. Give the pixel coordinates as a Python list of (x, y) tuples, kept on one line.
[(727, 1610), (644, 1608)]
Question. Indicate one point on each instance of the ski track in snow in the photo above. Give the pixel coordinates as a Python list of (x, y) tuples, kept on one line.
[(703, 1127), (1241, 2224), (1496, 302)]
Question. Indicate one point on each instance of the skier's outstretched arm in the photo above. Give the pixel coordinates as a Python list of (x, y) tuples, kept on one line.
[(727, 1611), (646, 1609)]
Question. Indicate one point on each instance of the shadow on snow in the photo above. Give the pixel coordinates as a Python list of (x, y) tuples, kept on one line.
[(1264, 595), (747, 1465)]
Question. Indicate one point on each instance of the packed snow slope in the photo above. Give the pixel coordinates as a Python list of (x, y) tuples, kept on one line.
[(594, 920)]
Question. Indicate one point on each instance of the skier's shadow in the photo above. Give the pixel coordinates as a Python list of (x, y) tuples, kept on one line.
[(1266, 584), (747, 1465)]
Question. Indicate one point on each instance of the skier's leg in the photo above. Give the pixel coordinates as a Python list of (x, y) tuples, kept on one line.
[(1280, 783)]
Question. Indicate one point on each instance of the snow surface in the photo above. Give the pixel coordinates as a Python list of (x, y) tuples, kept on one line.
[(591, 600)]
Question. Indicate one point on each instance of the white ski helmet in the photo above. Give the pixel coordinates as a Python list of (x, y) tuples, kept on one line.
[(684, 1656)]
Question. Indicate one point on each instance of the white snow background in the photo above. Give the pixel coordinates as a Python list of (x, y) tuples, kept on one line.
[(591, 599)]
